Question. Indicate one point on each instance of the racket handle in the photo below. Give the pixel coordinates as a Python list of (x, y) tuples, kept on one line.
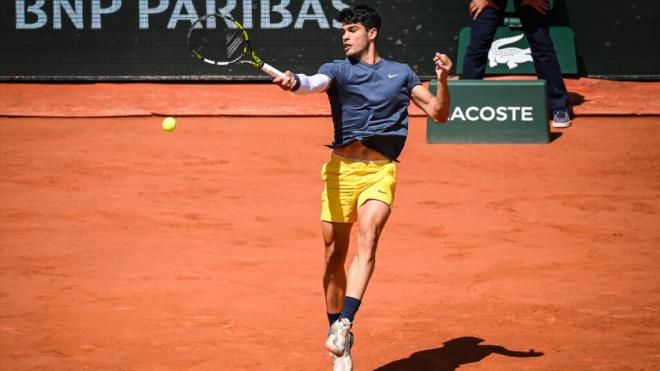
[(271, 71)]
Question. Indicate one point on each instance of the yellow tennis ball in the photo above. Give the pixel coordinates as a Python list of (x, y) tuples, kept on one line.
[(169, 123)]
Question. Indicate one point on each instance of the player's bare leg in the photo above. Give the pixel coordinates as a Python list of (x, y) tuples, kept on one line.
[(372, 216), (336, 238)]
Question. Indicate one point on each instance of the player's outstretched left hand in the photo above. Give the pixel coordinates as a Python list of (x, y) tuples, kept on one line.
[(286, 82), (442, 66)]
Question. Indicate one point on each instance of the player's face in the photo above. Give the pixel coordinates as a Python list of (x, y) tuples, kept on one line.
[(355, 39)]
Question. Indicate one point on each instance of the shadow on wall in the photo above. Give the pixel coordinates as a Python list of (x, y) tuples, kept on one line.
[(452, 355)]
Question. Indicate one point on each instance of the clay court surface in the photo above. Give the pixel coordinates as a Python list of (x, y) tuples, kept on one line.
[(123, 247), (127, 248)]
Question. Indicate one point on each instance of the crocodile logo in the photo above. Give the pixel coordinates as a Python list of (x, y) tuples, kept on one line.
[(511, 56)]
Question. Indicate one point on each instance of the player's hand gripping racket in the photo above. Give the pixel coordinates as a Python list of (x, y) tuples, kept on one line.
[(212, 41)]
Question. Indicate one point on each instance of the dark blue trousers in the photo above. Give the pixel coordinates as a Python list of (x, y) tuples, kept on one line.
[(536, 28)]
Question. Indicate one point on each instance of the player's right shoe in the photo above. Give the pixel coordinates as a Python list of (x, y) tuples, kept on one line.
[(345, 362), (338, 336), (561, 118)]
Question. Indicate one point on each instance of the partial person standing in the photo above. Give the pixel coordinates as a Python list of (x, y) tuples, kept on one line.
[(487, 15)]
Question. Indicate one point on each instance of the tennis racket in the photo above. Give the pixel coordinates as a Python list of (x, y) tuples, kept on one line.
[(211, 40)]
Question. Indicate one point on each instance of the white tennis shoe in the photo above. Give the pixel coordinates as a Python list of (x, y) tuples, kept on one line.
[(345, 362), (338, 336)]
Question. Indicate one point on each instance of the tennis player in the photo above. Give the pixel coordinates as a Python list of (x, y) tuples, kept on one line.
[(369, 97)]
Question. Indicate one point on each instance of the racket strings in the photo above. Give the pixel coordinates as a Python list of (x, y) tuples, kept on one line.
[(220, 44), (234, 40)]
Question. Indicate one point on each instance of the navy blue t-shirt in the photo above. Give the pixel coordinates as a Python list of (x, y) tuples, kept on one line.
[(370, 102)]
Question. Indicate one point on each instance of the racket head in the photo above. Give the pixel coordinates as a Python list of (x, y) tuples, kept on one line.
[(220, 40)]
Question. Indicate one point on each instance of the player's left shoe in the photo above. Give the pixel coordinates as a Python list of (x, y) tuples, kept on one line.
[(561, 118), (338, 335), (345, 362)]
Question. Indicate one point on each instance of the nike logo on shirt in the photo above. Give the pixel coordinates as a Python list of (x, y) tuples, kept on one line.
[(392, 76)]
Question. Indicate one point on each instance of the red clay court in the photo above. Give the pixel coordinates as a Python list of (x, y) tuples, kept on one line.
[(123, 247)]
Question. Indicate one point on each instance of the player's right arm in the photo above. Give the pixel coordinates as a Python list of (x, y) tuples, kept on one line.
[(303, 84)]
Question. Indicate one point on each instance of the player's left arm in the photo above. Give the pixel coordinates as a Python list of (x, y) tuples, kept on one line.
[(436, 107)]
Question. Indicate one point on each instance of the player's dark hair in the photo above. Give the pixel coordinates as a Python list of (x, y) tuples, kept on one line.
[(362, 13)]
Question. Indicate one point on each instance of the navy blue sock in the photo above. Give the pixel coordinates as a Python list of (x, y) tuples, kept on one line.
[(332, 317), (351, 306)]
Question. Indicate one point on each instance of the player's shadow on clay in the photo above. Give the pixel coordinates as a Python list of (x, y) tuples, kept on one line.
[(452, 355)]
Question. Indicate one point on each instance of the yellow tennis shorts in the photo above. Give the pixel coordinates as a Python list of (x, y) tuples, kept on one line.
[(350, 183)]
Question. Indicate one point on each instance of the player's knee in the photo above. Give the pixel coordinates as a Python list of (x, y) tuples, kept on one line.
[(369, 234), (366, 255), (368, 241), (334, 256)]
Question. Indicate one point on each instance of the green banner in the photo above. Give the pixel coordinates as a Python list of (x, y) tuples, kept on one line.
[(493, 111), (510, 53)]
